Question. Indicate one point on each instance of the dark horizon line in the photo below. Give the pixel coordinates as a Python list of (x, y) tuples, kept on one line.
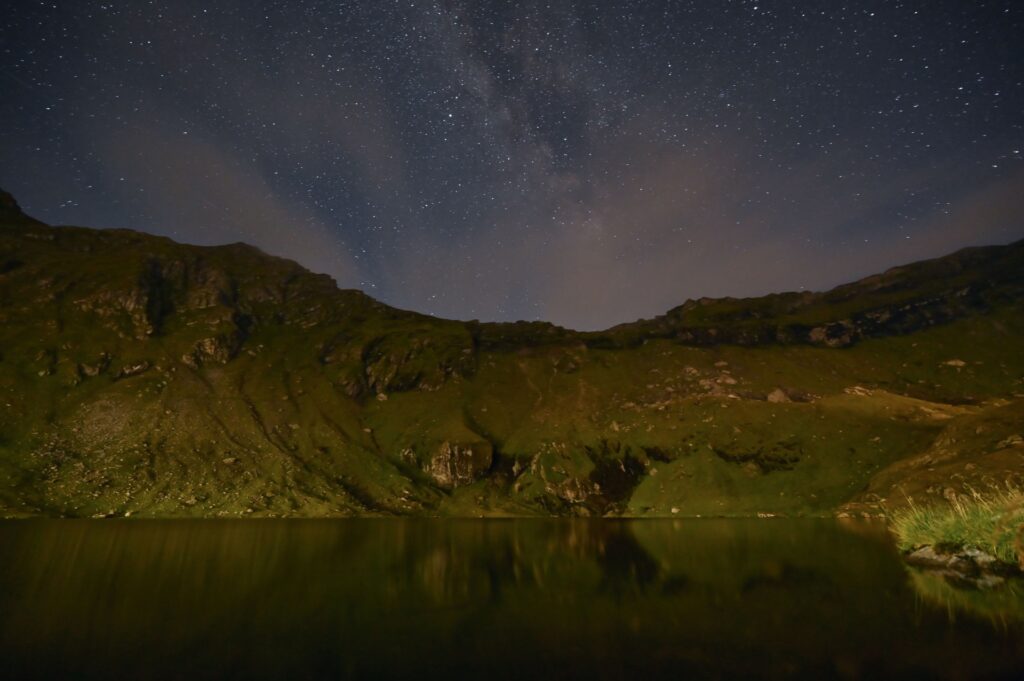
[(1010, 244)]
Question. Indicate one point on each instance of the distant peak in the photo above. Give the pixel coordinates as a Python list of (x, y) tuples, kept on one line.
[(7, 202), (9, 208)]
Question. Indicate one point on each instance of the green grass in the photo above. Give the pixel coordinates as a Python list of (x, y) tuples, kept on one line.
[(268, 391), (993, 523)]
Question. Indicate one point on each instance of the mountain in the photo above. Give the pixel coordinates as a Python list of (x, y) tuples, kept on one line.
[(141, 376)]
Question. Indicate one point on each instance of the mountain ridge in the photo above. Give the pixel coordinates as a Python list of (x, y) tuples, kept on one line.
[(711, 307), (144, 376)]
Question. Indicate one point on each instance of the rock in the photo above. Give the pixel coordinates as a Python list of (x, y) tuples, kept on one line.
[(216, 348), (1012, 441), (980, 558), (221, 348), (573, 490), (778, 396), (93, 370), (457, 464), (230, 461), (955, 363), (964, 562), (133, 369), (835, 335), (926, 556)]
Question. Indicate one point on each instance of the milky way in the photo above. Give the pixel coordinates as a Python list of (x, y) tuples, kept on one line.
[(587, 163)]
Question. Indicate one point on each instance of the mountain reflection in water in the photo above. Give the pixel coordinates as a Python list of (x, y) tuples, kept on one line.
[(523, 599)]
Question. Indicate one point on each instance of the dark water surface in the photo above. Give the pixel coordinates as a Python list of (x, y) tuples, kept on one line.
[(487, 599)]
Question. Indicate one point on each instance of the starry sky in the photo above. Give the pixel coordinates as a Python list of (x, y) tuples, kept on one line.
[(587, 163)]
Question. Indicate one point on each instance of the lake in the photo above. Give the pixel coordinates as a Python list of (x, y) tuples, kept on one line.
[(487, 599)]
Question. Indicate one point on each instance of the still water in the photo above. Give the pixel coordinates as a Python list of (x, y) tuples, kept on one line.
[(487, 599)]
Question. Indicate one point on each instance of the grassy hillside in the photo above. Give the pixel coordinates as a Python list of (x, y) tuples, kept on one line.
[(141, 376)]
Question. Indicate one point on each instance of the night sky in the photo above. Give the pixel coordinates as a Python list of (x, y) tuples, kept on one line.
[(586, 163)]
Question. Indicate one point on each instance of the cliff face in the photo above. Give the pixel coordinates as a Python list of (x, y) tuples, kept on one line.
[(142, 376)]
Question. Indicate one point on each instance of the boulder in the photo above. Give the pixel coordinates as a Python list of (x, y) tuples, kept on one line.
[(456, 464)]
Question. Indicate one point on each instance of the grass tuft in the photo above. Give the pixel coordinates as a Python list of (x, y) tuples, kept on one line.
[(991, 522)]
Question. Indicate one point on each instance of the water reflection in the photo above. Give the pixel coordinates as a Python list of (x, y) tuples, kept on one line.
[(499, 599), (998, 600)]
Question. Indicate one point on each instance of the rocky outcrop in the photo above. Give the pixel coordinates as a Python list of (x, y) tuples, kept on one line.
[(399, 362), (133, 369), (965, 560), (456, 464), (900, 301), (884, 321), (219, 349), (962, 566)]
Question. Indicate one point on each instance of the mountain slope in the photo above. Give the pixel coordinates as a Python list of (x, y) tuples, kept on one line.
[(142, 376)]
